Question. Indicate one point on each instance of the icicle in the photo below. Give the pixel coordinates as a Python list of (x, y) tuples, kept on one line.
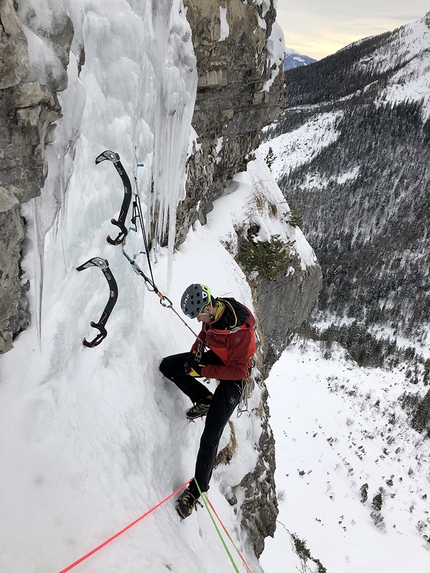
[(175, 104)]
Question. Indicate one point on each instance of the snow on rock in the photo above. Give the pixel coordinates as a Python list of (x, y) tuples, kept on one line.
[(239, 203), (275, 53), (303, 144), (224, 27)]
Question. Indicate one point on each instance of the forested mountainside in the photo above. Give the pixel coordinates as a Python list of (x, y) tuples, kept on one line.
[(351, 154)]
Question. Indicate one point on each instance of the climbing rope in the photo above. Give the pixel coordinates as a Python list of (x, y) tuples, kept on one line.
[(164, 300), (137, 215), (70, 567), (227, 533), (209, 506)]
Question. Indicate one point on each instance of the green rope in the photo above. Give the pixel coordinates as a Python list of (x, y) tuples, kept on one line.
[(228, 534), (216, 527)]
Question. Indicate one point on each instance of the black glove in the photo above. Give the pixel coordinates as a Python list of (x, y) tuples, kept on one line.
[(192, 365)]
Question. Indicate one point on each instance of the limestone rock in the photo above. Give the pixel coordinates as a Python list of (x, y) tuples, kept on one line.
[(27, 109), (231, 105), (282, 306), (260, 506), (13, 303), (14, 60)]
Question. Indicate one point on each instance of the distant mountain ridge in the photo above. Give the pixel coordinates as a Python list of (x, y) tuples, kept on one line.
[(294, 59), (363, 186)]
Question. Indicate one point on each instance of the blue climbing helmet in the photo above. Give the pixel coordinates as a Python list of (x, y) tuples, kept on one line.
[(193, 300)]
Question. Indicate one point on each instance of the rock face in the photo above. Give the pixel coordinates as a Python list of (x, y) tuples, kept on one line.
[(232, 104), (283, 305), (260, 506), (26, 111)]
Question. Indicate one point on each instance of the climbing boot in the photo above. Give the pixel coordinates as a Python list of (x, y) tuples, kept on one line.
[(186, 503), (198, 410)]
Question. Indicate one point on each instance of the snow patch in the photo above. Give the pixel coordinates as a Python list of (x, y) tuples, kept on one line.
[(224, 27), (275, 54), (300, 146)]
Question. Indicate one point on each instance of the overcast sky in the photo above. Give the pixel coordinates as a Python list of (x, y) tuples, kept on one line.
[(318, 28)]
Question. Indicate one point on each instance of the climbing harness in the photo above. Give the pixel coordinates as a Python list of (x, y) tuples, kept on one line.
[(248, 385), (120, 222), (113, 295)]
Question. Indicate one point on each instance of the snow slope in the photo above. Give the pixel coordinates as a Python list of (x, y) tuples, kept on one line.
[(301, 145), (337, 428), (91, 439)]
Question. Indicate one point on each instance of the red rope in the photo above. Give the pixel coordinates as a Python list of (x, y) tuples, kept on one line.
[(227, 533), (123, 530)]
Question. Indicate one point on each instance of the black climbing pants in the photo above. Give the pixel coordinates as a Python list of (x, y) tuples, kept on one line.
[(224, 400)]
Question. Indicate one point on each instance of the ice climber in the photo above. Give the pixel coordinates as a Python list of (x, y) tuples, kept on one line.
[(222, 351)]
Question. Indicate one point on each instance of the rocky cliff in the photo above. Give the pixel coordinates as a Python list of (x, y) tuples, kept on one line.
[(27, 109), (234, 43), (233, 103), (236, 64)]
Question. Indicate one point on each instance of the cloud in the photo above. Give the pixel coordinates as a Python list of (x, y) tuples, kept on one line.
[(318, 28)]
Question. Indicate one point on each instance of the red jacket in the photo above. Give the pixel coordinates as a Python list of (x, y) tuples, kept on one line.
[(231, 337)]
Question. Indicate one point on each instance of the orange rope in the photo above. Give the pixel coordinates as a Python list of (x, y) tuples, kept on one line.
[(227, 533), (123, 530)]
